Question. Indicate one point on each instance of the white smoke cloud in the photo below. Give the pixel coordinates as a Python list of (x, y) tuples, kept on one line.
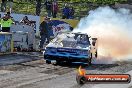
[(113, 28)]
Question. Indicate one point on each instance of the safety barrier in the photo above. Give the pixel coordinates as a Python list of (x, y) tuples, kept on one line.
[(23, 37), (6, 43)]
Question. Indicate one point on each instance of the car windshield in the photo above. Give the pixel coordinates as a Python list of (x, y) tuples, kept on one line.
[(73, 40)]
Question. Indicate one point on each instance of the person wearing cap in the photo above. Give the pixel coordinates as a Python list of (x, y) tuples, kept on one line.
[(44, 32), (9, 16), (6, 23)]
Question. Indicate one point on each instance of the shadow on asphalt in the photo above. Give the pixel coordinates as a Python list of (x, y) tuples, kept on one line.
[(20, 59), (13, 59), (88, 67)]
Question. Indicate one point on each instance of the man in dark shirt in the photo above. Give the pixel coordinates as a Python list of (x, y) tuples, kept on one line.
[(48, 5), (44, 32), (3, 5), (65, 12)]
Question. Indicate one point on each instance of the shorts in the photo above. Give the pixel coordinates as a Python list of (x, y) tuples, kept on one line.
[(5, 29)]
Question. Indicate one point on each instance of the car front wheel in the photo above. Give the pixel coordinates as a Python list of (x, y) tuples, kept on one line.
[(48, 62)]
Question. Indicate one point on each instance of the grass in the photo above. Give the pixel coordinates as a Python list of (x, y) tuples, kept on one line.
[(81, 8)]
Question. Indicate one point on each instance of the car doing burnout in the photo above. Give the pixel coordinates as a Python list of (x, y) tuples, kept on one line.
[(70, 47)]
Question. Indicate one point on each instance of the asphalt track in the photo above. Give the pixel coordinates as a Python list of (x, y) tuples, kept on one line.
[(30, 71)]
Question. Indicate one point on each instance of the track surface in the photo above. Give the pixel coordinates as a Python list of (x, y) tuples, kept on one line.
[(24, 71)]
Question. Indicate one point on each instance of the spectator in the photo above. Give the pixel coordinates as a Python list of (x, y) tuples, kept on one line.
[(25, 20), (9, 15), (65, 12), (38, 7), (0, 22), (6, 23), (54, 8), (0, 17), (44, 32), (10, 2), (3, 5), (71, 13), (48, 5)]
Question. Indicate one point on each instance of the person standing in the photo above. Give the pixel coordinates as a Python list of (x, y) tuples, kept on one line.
[(48, 5), (0, 22), (3, 5), (65, 12), (25, 20), (6, 23), (54, 8), (38, 7), (10, 2), (44, 32), (71, 13), (10, 17)]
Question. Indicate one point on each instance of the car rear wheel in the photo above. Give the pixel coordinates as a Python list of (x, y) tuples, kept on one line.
[(90, 60), (68, 62), (90, 63)]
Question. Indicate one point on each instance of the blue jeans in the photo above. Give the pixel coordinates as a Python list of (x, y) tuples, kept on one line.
[(43, 38)]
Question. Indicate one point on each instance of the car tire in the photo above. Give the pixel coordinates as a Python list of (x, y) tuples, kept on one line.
[(68, 62), (48, 62), (90, 60), (57, 63)]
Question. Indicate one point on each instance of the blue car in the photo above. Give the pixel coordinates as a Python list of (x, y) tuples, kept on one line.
[(70, 47)]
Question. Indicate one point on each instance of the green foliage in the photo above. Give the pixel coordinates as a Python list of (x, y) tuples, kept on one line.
[(97, 1), (81, 6), (106, 2)]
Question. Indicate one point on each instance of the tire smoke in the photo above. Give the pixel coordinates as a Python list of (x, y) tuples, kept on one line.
[(113, 28)]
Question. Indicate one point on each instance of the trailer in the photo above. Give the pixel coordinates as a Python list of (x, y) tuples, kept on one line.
[(23, 37), (6, 43)]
